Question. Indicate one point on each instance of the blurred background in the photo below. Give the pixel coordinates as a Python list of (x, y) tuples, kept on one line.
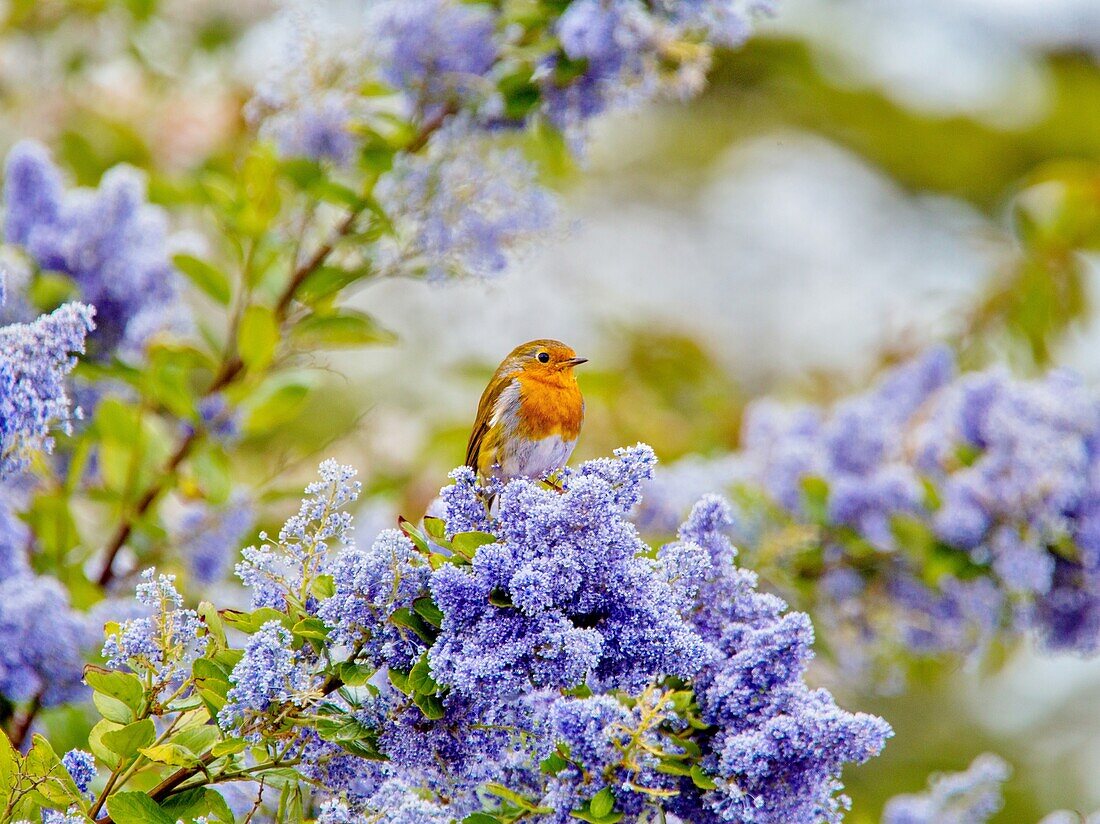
[(863, 178)]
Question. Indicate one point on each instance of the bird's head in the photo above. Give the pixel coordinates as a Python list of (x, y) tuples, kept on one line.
[(544, 358)]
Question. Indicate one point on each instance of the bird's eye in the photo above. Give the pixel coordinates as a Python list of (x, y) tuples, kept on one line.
[(543, 357)]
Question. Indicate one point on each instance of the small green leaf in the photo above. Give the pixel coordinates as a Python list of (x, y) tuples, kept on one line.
[(399, 679), (257, 337), (354, 675), (700, 779), (112, 709), (405, 617), (196, 740), (127, 741), (96, 745), (430, 705), (207, 277), (228, 747), (136, 808), (124, 686), (311, 628), (420, 677), (602, 803), (467, 543), (425, 607), (171, 754), (344, 330)]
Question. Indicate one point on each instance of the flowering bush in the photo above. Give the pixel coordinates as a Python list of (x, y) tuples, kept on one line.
[(526, 655), (961, 507)]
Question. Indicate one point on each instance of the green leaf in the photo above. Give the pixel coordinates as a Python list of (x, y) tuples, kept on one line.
[(207, 277), (436, 528), (425, 607), (430, 705), (480, 818), (96, 745), (344, 330), (10, 766), (127, 741), (399, 679), (420, 677), (125, 686), (198, 739), (553, 764), (311, 628), (467, 543), (257, 337), (354, 675), (700, 779), (602, 803), (112, 709), (326, 281), (136, 808), (171, 754), (323, 587), (405, 617), (213, 621), (271, 409), (228, 747)]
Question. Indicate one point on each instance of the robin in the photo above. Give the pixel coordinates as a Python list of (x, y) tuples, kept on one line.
[(529, 415)]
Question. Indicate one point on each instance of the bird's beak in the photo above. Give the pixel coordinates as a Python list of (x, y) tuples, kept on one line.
[(575, 361)]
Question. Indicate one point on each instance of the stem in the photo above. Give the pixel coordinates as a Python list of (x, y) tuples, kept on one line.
[(23, 725)]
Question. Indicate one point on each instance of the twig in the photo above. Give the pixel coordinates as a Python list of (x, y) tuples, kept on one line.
[(23, 725)]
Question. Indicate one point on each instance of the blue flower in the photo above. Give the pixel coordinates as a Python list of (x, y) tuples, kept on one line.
[(109, 241), (462, 207), (269, 675), (34, 360), (969, 797), (210, 537), (81, 766)]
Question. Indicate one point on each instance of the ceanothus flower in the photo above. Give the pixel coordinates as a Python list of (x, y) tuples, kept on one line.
[(778, 747), (81, 767), (284, 572), (963, 506), (163, 643), (370, 585), (209, 537), (34, 361), (969, 797), (461, 207), (110, 241), (564, 596), (269, 675), (42, 641), (437, 52)]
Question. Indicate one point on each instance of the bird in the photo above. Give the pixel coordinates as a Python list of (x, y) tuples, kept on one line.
[(530, 414)]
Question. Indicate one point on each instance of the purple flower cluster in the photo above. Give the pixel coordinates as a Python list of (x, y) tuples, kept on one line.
[(42, 641), (437, 52), (564, 597), (283, 573), (969, 797), (210, 537), (778, 747), (110, 242), (161, 644), (562, 640), (269, 675), (81, 767), (370, 585), (462, 207), (35, 358), (969, 504)]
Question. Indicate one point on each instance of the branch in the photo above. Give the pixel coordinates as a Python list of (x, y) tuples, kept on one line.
[(23, 725)]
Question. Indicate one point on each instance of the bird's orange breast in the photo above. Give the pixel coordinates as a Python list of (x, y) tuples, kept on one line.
[(550, 405)]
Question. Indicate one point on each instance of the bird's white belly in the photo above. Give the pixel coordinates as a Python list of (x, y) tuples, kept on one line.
[(534, 459)]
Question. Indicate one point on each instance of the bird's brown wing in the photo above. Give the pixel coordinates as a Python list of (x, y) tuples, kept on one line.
[(484, 419)]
